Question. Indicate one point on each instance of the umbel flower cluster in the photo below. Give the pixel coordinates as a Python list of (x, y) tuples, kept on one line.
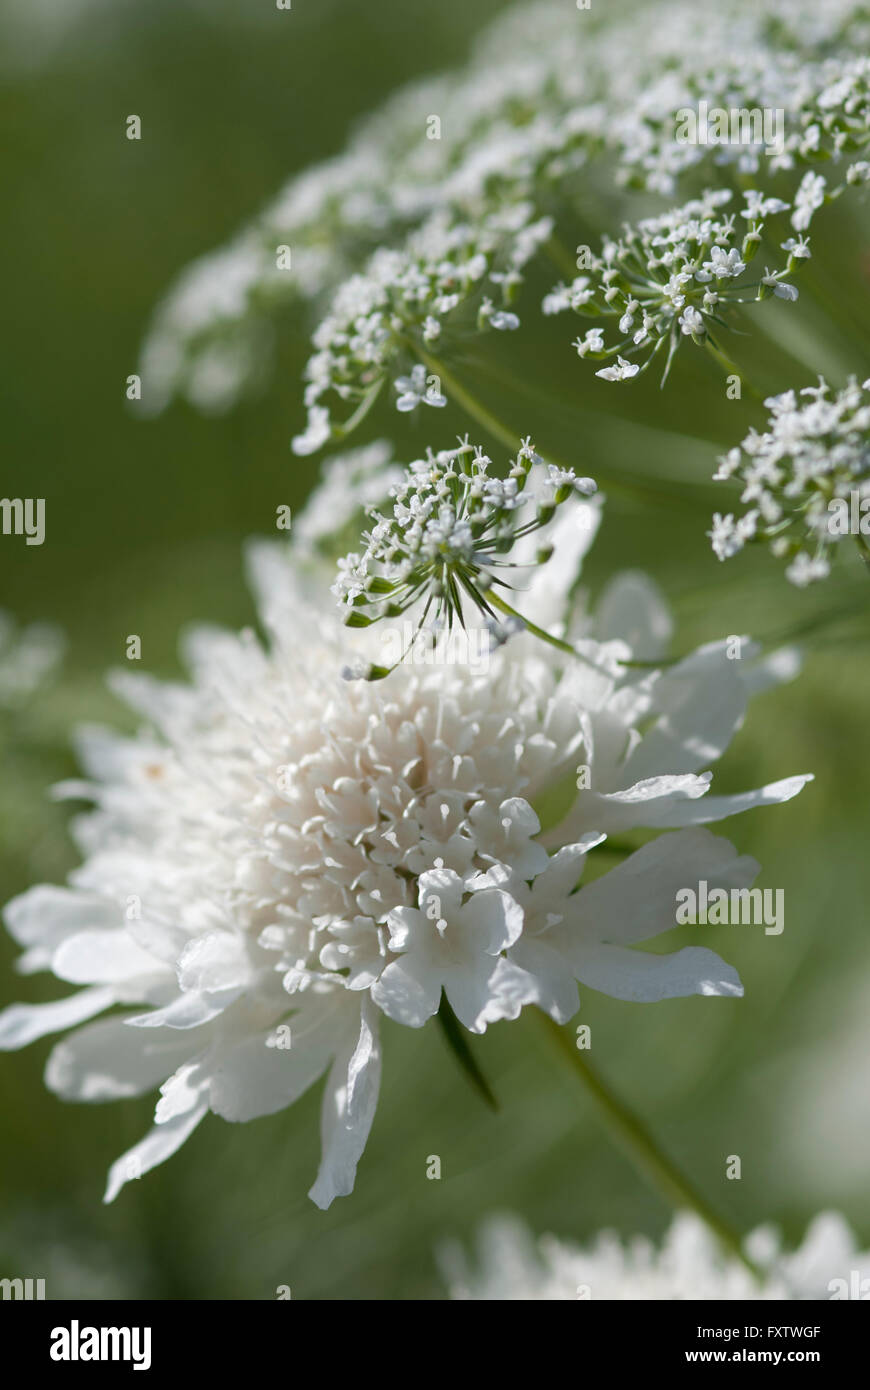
[(688, 1266), (385, 316), (452, 527), (418, 240), (674, 277), (806, 480), (429, 211), (280, 857)]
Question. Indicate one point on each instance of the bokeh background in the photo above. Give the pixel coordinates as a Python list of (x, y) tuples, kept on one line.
[(145, 521)]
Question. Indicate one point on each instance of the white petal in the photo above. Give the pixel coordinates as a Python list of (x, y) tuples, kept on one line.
[(107, 1061), (649, 803), (187, 1011), (492, 991), (714, 808), (248, 1079), (641, 977), (21, 1024), (638, 899), (48, 913), (183, 1091), (632, 609), (553, 976), (214, 961), (349, 1104), (408, 991), (772, 669), (162, 942), (701, 703), (571, 534), (159, 1144), (491, 921), (102, 957)]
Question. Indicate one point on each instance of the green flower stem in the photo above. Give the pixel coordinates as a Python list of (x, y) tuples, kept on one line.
[(636, 1139), (469, 403), (731, 368), (494, 427), (497, 602), (863, 551), (561, 257), (643, 429), (805, 348)]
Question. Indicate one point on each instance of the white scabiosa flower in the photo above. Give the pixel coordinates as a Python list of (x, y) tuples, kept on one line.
[(689, 1265), (280, 857)]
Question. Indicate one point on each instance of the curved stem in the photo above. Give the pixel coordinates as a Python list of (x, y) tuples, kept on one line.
[(470, 404), (636, 1139), (642, 428), (863, 551), (497, 602), (731, 368), (561, 257), (494, 427)]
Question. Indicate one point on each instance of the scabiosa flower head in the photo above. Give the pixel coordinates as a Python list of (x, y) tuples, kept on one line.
[(806, 479), (280, 857), (688, 1265)]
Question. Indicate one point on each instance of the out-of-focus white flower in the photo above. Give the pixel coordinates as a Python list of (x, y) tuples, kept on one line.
[(688, 1265), (280, 856), (604, 95), (809, 197), (350, 483), (28, 657)]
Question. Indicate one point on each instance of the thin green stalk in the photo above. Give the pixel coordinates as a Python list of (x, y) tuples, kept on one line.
[(863, 551), (803, 345), (494, 427), (731, 367), (651, 433), (497, 602), (636, 1139), (561, 257), (470, 404)]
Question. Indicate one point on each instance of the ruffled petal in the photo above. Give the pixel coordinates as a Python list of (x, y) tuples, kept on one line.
[(159, 1143), (349, 1104), (21, 1024)]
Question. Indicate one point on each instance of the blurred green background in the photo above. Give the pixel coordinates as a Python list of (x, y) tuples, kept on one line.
[(144, 526)]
